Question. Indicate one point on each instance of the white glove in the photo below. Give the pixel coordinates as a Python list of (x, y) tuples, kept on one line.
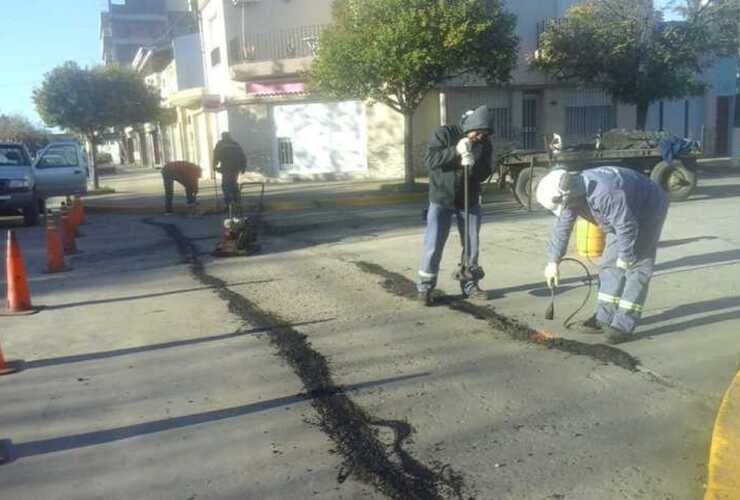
[(464, 146), (465, 150), (623, 264), (552, 274)]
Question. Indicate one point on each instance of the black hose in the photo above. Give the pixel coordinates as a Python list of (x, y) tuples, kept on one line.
[(567, 324)]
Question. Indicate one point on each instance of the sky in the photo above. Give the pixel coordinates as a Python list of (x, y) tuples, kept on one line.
[(38, 35)]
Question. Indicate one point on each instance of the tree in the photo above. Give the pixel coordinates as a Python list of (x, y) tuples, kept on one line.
[(20, 129), (624, 47), (396, 51), (91, 100)]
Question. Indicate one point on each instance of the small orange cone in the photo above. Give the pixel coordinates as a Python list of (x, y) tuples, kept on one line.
[(68, 232), (5, 367), (54, 249), (78, 211), (18, 297)]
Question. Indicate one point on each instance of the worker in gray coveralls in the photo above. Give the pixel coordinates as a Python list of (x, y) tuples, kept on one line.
[(450, 149), (631, 210)]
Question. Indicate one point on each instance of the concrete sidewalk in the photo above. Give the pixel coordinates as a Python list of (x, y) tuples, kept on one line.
[(139, 190)]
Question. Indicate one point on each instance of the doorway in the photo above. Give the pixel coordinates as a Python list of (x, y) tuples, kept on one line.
[(722, 141), (530, 126)]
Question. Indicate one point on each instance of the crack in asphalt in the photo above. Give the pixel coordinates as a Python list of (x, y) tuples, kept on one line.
[(401, 286), (353, 431)]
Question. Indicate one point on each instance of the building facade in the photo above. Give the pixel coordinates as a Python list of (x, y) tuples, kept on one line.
[(175, 69), (254, 53), (126, 26)]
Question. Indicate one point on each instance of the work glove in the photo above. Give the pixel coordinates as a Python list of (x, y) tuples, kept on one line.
[(465, 150), (623, 264), (552, 274)]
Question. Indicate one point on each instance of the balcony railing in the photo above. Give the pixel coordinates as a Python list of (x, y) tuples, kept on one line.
[(275, 45)]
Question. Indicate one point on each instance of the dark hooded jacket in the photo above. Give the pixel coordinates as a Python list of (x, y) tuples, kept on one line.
[(446, 176), (230, 155)]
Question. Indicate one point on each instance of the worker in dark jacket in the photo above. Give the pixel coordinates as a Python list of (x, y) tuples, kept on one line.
[(630, 209), (450, 150), (230, 161), (186, 174)]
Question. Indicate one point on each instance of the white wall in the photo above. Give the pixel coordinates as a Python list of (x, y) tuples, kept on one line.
[(327, 137), (214, 35)]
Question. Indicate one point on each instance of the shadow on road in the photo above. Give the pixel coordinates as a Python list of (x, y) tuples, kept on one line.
[(93, 356), (147, 295), (10, 452), (714, 192), (684, 241)]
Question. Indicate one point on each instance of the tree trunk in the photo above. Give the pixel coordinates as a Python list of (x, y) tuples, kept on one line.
[(93, 160), (408, 148), (642, 111)]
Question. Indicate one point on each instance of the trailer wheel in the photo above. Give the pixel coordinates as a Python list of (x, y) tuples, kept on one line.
[(521, 187), (675, 178)]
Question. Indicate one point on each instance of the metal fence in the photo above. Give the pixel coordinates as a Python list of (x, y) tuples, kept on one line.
[(285, 44)]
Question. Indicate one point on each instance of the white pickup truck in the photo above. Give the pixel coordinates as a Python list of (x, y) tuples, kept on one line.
[(60, 169)]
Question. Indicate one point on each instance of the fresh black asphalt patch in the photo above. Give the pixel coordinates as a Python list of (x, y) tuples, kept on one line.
[(399, 285), (394, 472)]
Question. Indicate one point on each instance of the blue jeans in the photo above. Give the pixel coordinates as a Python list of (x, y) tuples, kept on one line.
[(439, 221), (230, 186), (622, 293)]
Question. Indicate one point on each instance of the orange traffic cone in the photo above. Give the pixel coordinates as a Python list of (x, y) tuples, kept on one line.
[(68, 231), (18, 297), (78, 211), (6, 368), (54, 248)]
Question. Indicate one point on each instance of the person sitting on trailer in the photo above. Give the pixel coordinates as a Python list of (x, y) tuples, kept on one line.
[(450, 150), (185, 173), (630, 209)]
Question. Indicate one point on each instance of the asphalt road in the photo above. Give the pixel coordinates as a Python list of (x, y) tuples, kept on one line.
[(156, 371)]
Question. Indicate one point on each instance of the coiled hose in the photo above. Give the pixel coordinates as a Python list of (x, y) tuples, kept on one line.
[(550, 313)]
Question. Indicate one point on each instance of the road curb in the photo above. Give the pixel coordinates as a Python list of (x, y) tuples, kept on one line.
[(274, 206), (724, 454)]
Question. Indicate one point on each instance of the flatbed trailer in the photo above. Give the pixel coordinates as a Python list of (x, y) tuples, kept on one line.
[(523, 169)]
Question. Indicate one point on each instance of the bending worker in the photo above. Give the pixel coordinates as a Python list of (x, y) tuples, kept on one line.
[(449, 149), (186, 174), (230, 161), (630, 209)]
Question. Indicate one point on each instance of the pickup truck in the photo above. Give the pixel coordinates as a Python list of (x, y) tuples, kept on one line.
[(59, 170)]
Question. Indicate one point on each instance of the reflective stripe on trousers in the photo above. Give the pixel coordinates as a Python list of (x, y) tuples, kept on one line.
[(439, 221), (622, 294)]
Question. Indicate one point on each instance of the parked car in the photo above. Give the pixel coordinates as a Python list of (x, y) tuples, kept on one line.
[(60, 169)]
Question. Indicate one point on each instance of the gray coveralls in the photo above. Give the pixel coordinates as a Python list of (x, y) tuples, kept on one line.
[(631, 210)]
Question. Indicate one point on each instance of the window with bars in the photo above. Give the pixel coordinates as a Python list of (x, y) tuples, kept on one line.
[(502, 123), (285, 152), (235, 51)]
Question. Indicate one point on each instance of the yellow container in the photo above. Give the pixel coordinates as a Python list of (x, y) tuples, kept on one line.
[(589, 239)]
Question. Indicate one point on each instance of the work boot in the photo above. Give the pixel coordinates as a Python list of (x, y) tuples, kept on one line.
[(473, 292), (590, 325), (614, 336), (430, 297), (425, 297)]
